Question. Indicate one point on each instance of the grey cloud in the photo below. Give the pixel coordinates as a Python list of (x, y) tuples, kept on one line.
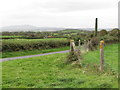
[(61, 6), (119, 15)]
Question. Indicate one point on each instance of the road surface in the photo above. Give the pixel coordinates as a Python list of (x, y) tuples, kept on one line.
[(29, 56)]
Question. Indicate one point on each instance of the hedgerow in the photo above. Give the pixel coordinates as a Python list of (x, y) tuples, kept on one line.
[(27, 44)]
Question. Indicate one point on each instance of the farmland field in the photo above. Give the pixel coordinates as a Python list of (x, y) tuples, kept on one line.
[(8, 36), (52, 71), (32, 40)]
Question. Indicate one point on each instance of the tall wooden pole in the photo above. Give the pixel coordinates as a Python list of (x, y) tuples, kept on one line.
[(96, 26), (102, 55)]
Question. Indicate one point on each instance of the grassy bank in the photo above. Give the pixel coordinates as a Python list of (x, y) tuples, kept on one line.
[(51, 71), (31, 52)]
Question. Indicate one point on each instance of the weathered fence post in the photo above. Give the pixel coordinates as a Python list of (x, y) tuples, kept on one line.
[(79, 44), (72, 45), (87, 48), (74, 50), (89, 45), (85, 45), (84, 42), (102, 55)]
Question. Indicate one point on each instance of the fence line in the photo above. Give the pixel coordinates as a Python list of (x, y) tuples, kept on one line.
[(87, 47)]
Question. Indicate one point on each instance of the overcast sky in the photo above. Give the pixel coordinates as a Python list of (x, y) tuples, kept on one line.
[(59, 13)]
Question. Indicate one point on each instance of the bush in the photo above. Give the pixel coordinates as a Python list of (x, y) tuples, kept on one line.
[(71, 57), (28, 44), (114, 32), (74, 55), (110, 39), (103, 32), (94, 42)]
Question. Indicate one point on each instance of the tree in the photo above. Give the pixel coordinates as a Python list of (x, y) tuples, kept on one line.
[(114, 32), (103, 32)]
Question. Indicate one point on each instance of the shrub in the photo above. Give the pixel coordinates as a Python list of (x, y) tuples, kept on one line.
[(110, 39), (114, 32), (28, 44), (102, 32), (74, 55), (71, 57), (94, 42)]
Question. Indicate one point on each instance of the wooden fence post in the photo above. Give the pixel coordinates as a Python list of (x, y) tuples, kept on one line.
[(74, 49), (89, 45), (85, 45), (72, 45), (84, 42), (87, 48), (102, 55), (79, 43)]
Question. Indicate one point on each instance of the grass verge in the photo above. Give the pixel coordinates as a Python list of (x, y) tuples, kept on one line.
[(31, 52)]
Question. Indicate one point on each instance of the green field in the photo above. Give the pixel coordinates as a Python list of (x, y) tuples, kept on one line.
[(31, 52), (9, 36), (31, 40), (52, 71), (71, 31)]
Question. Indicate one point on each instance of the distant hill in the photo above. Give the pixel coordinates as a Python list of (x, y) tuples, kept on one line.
[(29, 28), (17, 28)]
